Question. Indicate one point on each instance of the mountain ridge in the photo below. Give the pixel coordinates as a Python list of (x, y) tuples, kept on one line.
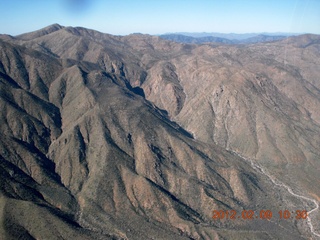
[(235, 36), (85, 120), (180, 38)]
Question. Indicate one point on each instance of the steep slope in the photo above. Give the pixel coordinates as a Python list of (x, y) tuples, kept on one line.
[(34, 202), (258, 100), (82, 147)]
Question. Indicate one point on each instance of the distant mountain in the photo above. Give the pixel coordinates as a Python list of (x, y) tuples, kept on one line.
[(211, 39), (233, 36), (137, 137), (187, 39), (262, 38)]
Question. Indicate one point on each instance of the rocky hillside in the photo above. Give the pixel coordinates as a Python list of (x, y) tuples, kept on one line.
[(136, 137)]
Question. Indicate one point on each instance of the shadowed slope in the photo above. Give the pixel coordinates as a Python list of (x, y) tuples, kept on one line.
[(101, 161)]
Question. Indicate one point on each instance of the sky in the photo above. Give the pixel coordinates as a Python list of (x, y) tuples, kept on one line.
[(122, 17)]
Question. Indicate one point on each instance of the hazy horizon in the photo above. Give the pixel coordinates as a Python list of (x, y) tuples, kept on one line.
[(150, 17), (193, 34)]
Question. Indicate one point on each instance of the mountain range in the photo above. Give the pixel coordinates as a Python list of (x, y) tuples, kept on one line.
[(234, 36), (181, 38), (138, 137)]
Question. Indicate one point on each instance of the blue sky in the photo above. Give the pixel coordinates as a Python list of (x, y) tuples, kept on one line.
[(123, 17)]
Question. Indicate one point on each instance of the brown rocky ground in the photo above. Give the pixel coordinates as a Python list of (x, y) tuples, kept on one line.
[(89, 148)]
